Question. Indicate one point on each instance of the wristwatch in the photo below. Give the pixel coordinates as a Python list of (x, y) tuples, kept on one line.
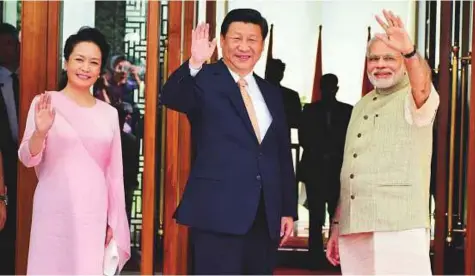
[(4, 198), (411, 54)]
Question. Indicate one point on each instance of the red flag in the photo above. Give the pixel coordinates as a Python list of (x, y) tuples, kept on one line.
[(367, 86), (316, 94), (269, 49)]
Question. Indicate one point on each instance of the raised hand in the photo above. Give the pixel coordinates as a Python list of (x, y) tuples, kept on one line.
[(44, 114), (201, 47), (396, 36)]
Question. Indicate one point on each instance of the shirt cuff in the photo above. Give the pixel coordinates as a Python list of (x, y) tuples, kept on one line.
[(193, 71), (424, 115)]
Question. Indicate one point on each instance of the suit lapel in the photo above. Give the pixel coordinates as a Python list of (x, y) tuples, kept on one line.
[(231, 89)]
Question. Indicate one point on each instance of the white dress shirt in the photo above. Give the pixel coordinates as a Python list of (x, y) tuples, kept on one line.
[(424, 115), (6, 85), (264, 118)]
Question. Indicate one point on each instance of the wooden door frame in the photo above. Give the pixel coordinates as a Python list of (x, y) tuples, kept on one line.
[(150, 129), (470, 230), (181, 18), (211, 20), (171, 239), (39, 63), (442, 139)]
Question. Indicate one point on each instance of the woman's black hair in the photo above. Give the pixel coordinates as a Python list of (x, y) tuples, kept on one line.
[(85, 34)]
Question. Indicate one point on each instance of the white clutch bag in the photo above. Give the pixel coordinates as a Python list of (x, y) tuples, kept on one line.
[(111, 258)]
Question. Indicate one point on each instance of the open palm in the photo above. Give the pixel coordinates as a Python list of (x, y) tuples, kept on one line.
[(201, 47), (44, 114), (396, 36)]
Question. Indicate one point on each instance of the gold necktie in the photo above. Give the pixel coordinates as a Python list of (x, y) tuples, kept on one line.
[(249, 106)]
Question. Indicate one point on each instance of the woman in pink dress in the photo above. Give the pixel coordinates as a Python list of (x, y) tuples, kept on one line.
[(73, 141)]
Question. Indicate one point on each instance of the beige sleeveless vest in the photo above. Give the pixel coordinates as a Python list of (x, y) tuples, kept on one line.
[(386, 169)]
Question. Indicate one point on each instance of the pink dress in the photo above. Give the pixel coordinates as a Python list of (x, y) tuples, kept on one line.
[(80, 189)]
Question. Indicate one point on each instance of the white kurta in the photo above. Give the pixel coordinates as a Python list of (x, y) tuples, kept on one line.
[(386, 253), (398, 252)]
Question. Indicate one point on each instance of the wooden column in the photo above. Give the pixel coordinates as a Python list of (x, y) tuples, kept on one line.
[(442, 138), (465, 33), (211, 20), (184, 137), (470, 234), (172, 244), (39, 72), (171, 197), (150, 150), (54, 41), (178, 143)]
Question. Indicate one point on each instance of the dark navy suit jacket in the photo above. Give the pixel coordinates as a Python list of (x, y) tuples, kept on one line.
[(231, 168)]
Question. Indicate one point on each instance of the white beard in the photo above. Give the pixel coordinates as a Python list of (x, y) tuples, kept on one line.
[(386, 83)]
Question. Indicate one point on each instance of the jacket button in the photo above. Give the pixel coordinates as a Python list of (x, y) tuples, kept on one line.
[(352, 176), (352, 196), (355, 155), (359, 135), (375, 98), (365, 117), (258, 177)]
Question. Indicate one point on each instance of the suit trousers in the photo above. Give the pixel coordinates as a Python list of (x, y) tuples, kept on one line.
[(7, 243), (8, 234), (227, 254), (320, 192)]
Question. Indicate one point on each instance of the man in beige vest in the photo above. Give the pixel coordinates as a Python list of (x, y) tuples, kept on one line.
[(381, 225)]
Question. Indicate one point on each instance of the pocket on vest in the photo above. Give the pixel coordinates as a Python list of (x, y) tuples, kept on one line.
[(395, 184), (398, 178)]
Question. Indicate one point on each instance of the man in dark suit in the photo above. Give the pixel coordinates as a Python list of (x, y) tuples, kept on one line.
[(240, 200), (293, 108), (322, 135), (9, 95)]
